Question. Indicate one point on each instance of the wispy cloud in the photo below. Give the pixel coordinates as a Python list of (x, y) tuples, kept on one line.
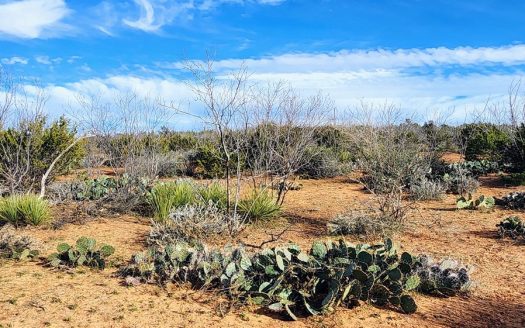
[(381, 59), (396, 76), (31, 19), (14, 60), (46, 60), (155, 14)]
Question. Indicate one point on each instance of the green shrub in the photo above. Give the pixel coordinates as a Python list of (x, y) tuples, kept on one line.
[(515, 154), (324, 163), (260, 205), (485, 141), (84, 253), (18, 247), (43, 143), (166, 196), (207, 162), (214, 193), (173, 141), (294, 282), (24, 210)]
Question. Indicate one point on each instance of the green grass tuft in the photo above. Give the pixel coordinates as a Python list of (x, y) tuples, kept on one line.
[(260, 205), (24, 210), (166, 196)]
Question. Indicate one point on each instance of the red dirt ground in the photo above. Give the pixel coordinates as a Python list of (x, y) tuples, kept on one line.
[(34, 296)]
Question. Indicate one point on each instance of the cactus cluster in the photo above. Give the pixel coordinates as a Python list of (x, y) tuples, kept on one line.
[(17, 247), (474, 168), (481, 203), (445, 278), (514, 200), (97, 188), (512, 227), (288, 280), (85, 252)]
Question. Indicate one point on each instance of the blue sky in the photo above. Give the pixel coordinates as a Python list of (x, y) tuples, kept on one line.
[(422, 56)]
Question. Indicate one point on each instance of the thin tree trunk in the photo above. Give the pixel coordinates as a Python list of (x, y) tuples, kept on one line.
[(52, 165)]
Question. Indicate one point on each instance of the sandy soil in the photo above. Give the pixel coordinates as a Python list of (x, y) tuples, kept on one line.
[(34, 296)]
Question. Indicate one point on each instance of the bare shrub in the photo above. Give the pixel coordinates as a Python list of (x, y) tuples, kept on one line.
[(426, 189), (16, 246), (360, 224), (189, 223), (125, 130), (392, 154)]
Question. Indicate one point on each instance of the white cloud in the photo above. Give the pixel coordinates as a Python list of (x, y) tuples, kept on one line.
[(154, 14), (359, 60), (419, 96), (350, 77), (30, 19), (14, 60), (45, 60)]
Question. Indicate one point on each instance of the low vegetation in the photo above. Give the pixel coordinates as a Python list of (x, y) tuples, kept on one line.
[(170, 195), (191, 222), (483, 203), (84, 252), (21, 210), (288, 280), (512, 227), (259, 205), (16, 246), (366, 225), (514, 200)]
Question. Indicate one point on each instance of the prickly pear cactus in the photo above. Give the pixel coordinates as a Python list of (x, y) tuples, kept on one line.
[(514, 200), (483, 203), (84, 253), (512, 227), (295, 282)]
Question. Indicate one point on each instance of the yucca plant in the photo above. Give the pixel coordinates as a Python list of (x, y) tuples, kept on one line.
[(166, 196), (24, 210), (260, 205), (214, 193)]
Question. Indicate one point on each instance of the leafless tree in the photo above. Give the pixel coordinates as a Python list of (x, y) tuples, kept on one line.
[(285, 124), (125, 131), (224, 98), (391, 152)]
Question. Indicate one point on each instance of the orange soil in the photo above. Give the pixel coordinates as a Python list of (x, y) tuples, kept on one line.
[(33, 296)]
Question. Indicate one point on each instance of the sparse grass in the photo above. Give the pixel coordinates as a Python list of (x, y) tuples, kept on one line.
[(21, 210), (166, 196), (260, 205), (355, 223), (214, 193)]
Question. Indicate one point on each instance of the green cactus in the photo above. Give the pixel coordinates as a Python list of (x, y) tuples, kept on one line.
[(292, 282), (483, 203), (512, 227), (84, 253)]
